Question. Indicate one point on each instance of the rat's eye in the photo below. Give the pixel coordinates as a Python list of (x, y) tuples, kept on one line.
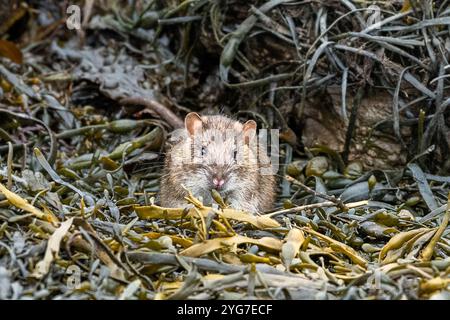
[(203, 151), (235, 155)]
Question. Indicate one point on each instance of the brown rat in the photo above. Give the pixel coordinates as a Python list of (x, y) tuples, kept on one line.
[(216, 152)]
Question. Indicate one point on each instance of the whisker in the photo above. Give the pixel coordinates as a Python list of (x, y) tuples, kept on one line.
[(145, 169)]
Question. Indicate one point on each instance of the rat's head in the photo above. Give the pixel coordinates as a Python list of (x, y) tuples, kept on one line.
[(222, 153)]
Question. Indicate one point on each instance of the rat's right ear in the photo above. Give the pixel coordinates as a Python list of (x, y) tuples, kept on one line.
[(193, 123)]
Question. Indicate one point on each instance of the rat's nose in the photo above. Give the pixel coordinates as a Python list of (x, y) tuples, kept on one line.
[(218, 182)]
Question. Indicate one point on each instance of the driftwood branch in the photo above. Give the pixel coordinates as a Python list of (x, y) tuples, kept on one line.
[(172, 119), (338, 202)]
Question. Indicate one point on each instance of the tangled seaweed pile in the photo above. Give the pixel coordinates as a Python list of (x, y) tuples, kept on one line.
[(85, 115)]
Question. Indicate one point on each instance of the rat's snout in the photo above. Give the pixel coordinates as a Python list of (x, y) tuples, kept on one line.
[(218, 182), (218, 176)]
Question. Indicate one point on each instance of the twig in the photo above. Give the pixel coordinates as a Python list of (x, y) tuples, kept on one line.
[(316, 205), (172, 119), (337, 202), (300, 208)]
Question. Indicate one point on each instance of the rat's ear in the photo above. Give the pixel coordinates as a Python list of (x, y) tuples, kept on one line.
[(249, 130), (193, 123)]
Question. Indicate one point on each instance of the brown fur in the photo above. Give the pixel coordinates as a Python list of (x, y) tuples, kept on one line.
[(245, 187)]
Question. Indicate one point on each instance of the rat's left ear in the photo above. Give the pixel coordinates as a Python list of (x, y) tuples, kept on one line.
[(249, 130)]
